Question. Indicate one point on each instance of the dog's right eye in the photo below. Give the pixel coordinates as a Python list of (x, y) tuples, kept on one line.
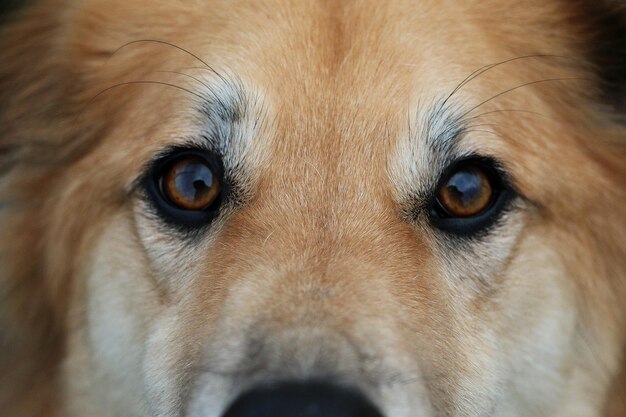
[(189, 183), (187, 187), (470, 197)]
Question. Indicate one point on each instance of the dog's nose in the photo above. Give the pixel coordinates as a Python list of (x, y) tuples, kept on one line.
[(299, 399)]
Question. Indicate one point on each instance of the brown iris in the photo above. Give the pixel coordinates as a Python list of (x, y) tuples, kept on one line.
[(467, 192), (190, 184)]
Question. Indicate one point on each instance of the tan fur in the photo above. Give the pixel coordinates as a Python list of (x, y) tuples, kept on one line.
[(321, 253)]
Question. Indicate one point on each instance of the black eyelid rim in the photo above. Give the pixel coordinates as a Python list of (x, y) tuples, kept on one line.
[(492, 165), (183, 219), (149, 167), (471, 226), (176, 153)]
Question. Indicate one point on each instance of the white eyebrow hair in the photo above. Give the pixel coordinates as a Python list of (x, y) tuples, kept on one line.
[(223, 106), (426, 148), (440, 125), (229, 117)]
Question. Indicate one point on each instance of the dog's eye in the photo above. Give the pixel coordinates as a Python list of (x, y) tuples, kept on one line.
[(186, 187), (467, 192), (469, 197), (189, 183)]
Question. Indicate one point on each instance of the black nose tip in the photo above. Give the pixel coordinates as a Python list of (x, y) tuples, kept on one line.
[(312, 399)]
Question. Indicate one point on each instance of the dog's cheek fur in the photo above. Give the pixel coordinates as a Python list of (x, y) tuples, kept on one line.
[(42, 136), (31, 320), (110, 325), (600, 34)]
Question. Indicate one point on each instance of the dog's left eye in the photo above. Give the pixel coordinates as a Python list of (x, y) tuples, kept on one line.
[(187, 187), (189, 183), (469, 197), (467, 192)]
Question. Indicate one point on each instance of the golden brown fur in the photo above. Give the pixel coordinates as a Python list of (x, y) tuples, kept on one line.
[(321, 240)]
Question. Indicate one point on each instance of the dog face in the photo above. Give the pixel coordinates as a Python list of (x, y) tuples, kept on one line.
[(415, 208)]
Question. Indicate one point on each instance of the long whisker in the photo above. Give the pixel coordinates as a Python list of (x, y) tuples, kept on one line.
[(488, 67), (198, 80), (464, 131), (208, 87), (506, 111), (145, 82), (520, 86), (471, 126), (210, 68), (94, 98)]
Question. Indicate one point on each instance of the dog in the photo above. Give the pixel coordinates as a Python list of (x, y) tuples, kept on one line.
[(313, 208)]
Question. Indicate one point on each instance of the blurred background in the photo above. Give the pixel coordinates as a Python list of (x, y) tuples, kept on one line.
[(7, 5)]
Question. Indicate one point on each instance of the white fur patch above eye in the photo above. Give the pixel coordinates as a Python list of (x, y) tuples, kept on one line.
[(425, 149), (232, 122)]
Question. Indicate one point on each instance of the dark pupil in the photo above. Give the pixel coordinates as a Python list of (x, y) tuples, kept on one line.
[(465, 187), (193, 181)]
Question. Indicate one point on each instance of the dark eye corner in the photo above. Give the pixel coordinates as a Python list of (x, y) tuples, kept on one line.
[(186, 187), (470, 196)]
